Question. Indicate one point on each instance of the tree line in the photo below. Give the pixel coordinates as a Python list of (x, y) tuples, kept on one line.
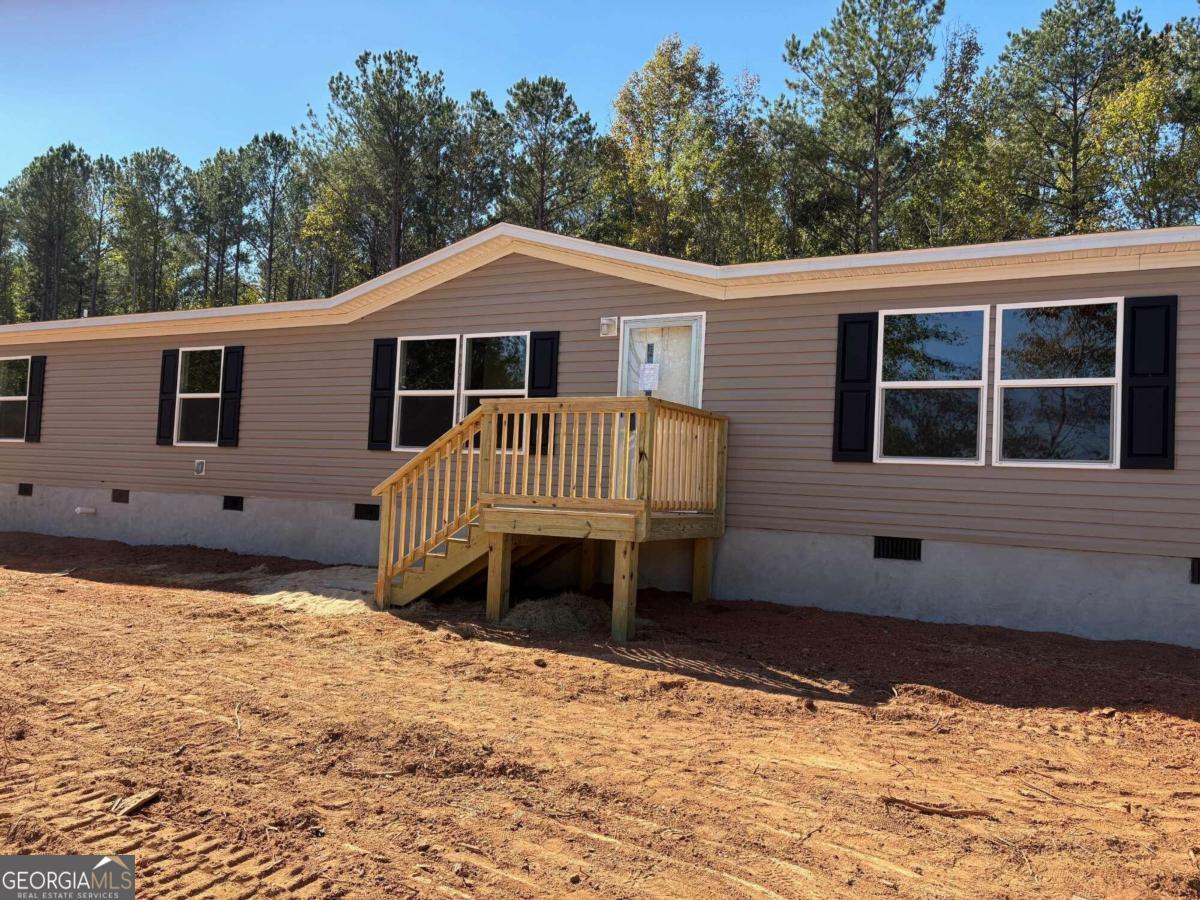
[(890, 134)]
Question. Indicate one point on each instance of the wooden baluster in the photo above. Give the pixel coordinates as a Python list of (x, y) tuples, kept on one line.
[(502, 455), (621, 488), (471, 470), (402, 511), (435, 497), (445, 488), (537, 472), (575, 457), (526, 428), (587, 458), (612, 459), (562, 444), (550, 453)]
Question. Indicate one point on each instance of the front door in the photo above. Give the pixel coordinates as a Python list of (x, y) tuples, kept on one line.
[(663, 355)]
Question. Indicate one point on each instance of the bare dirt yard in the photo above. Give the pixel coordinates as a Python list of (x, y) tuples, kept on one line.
[(735, 750)]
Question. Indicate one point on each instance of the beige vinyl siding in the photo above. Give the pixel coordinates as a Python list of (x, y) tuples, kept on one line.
[(769, 365)]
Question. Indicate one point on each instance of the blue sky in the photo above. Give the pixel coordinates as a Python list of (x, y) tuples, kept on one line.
[(115, 77)]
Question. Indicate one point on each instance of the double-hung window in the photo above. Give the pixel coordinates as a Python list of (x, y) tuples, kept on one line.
[(14, 397), (494, 366), (426, 390), (441, 379), (198, 395), (1058, 369), (932, 373)]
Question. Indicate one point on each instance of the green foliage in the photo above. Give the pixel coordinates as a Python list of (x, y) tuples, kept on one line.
[(857, 85), (550, 159), (1055, 80), (1087, 121)]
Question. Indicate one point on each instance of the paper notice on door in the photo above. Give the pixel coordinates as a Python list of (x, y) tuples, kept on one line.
[(648, 377)]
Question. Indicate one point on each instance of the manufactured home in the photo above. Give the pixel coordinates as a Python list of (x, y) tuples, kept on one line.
[(1005, 434)]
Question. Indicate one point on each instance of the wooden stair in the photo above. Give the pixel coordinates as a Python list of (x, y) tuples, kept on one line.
[(518, 482)]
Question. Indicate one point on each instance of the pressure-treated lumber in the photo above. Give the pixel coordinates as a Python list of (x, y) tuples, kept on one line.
[(624, 603), (650, 470), (702, 568), (499, 575)]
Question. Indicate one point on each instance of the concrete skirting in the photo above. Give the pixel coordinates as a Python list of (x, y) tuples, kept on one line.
[(1108, 596), (319, 530)]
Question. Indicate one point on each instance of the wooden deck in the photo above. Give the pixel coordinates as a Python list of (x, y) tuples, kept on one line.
[(621, 469)]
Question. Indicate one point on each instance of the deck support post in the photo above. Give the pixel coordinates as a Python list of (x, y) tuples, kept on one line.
[(589, 551), (499, 574), (387, 543), (702, 566), (625, 579)]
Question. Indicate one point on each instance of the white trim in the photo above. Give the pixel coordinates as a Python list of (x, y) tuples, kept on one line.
[(1114, 383), (667, 319), (452, 393), (979, 384), (1125, 251), (465, 392), (179, 397), (5, 398)]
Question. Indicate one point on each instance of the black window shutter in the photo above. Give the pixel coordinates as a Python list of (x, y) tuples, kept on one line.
[(543, 364), (543, 379), (383, 394), (1148, 383), (167, 382), (33, 406), (231, 397), (854, 392)]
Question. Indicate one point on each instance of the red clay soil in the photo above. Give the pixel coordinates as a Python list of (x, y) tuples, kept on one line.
[(736, 750)]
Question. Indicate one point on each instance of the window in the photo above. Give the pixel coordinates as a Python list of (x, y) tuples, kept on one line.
[(495, 366), (441, 379), (1058, 368), (932, 372), (14, 397), (198, 398), (426, 390)]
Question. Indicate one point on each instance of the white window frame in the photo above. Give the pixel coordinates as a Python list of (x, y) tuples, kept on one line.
[(1113, 382), (979, 384), (398, 392), (464, 393), (697, 319), (17, 399), (179, 397)]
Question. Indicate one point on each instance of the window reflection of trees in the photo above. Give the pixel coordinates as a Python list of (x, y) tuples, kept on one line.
[(1060, 342), (1066, 423), (919, 347)]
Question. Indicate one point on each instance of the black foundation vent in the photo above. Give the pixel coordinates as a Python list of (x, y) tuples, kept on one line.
[(898, 548), (367, 512), (234, 503), (24, 489), (1196, 571), (120, 495)]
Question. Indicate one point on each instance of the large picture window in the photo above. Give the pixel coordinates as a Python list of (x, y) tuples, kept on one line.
[(932, 374), (198, 395), (1058, 368), (14, 397), (426, 390)]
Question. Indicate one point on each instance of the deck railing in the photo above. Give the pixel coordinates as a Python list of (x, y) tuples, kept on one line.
[(614, 453)]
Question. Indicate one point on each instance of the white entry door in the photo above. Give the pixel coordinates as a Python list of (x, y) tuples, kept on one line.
[(663, 354)]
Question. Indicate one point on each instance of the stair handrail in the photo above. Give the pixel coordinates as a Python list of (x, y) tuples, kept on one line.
[(432, 450), (441, 529)]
